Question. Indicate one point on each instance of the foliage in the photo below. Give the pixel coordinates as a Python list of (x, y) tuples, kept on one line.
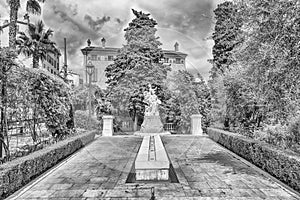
[(261, 87), (294, 129), (7, 57), (136, 65), (34, 98), (80, 96), (226, 36), (82, 121), (54, 103), (32, 6), (36, 43), (193, 97), (103, 106)]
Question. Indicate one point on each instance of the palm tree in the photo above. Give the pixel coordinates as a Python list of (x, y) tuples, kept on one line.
[(32, 6), (36, 43)]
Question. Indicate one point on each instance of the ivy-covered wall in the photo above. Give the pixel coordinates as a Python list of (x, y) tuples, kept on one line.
[(17, 173), (285, 166)]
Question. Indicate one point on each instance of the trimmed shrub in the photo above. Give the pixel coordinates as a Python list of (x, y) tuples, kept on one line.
[(282, 164)]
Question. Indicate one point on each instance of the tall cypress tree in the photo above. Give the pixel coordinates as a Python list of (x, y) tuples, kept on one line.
[(225, 36), (136, 66)]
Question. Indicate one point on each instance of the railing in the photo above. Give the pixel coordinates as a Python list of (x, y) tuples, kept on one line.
[(22, 132), (127, 125), (170, 127)]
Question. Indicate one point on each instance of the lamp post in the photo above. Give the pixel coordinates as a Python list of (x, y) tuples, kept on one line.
[(90, 68)]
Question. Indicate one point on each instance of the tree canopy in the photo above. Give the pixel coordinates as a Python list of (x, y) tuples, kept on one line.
[(136, 66), (36, 43), (261, 86)]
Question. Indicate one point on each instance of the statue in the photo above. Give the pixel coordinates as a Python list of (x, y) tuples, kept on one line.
[(152, 102), (152, 123)]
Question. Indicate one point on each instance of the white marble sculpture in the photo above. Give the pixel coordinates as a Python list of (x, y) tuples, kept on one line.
[(152, 102)]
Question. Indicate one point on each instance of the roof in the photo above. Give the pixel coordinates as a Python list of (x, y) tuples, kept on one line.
[(105, 49), (71, 72), (175, 53), (115, 50)]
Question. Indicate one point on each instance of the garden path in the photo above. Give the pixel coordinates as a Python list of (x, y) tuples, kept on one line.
[(205, 170)]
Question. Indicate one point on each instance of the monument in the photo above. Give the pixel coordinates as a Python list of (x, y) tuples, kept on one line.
[(152, 122), (152, 162)]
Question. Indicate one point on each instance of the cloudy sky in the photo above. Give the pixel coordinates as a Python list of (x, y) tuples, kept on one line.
[(189, 23)]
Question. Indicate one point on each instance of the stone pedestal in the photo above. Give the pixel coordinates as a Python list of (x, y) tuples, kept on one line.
[(107, 125), (196, 125), (152, 124)]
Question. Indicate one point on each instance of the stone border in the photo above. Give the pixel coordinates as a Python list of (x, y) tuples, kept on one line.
[(18, 172), (285, 166)]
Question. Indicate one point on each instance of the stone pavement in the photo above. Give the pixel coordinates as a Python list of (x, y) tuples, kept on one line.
[(204, 169)]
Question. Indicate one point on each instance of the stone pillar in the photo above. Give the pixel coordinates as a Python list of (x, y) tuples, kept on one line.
[(196, 125), (108, 125)]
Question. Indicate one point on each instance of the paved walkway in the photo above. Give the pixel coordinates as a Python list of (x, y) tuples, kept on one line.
[(204, 169)]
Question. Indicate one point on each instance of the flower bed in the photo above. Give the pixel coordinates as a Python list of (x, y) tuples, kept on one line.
[(283, 165), (18, 172)]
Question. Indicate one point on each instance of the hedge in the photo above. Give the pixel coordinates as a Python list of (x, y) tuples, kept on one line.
[(18, 172), (283, 165)]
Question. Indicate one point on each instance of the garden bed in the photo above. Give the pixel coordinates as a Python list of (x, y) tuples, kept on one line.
[(283, 165), (18, 172)]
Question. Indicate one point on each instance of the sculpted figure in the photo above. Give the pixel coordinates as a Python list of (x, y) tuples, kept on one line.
[(152, 102)]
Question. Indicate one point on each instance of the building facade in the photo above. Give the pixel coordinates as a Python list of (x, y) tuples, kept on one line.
[(102, 56), (51, 63), (74, 79)]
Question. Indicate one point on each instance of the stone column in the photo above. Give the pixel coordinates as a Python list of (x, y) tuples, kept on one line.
[(108, 129), (196, 125)]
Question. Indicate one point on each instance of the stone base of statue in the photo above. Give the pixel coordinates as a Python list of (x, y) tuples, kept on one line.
[(152, 124)]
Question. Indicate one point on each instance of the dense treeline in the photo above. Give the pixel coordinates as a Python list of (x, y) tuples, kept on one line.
[(256, 68)]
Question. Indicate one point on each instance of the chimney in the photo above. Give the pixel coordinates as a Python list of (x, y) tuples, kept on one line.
[(176, 45), (103, 41)]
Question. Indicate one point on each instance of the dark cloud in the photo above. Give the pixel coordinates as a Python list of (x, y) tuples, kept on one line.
[(119, 21), (63, 19), (193, 18), (97, 24)]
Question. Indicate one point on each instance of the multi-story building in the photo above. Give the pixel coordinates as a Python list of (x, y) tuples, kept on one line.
[(74, 79), (51, 63), (102, 56)]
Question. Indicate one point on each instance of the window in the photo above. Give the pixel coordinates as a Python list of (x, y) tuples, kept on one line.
[(110, 58), (57, 66), (105, 58), (44, 65), (51, 71), (99, 57), (177, 61), (94, 57)]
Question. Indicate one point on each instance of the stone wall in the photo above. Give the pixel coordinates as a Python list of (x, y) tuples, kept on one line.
[(283, 165), (18, 172)]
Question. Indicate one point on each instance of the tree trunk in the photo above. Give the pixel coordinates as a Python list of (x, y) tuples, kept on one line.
[(14, 8), (35, 61), (3, 129)]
